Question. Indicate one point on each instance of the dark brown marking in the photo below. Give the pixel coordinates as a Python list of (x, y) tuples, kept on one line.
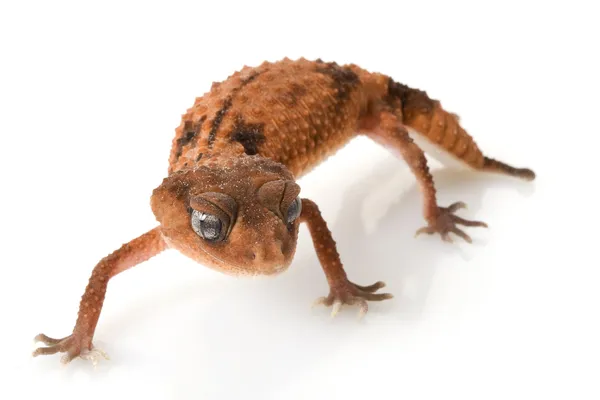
[(183, 141), (414, 102), (190, 135), (298, 90), (344, 79), (212, 135), (197, 129), (198, 157), (249, 79), (200, 122), (248, 135), (491, 164), (291, 97)]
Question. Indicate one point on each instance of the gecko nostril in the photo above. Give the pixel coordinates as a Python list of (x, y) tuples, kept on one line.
[(250, 255)]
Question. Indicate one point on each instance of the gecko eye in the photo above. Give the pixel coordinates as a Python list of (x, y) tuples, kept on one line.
[(213, 214), (294, 210), (207, 226)]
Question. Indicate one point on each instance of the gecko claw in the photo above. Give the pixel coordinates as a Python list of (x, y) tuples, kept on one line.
[(92, 355), (337, 305), (352, 294), (446, 222), (46, 340)]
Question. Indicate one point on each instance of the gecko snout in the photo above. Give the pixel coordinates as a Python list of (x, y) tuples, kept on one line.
[(268, 258), (269, 253)]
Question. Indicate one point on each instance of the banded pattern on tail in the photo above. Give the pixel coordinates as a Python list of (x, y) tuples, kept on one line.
[(427, 117), (442, 129)]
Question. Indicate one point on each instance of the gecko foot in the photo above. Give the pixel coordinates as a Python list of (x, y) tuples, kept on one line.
[(72, 346), (446, 222), (352, 294)]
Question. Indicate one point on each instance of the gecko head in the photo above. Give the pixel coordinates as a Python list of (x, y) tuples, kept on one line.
[(237, 215)]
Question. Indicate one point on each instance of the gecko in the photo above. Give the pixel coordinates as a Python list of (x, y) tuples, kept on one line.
[(230, 200)]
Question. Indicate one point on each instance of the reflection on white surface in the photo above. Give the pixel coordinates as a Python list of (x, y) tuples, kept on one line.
[(200, 327)]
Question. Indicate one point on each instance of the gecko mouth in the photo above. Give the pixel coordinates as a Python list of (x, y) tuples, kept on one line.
[(237, 270), (223, 266)]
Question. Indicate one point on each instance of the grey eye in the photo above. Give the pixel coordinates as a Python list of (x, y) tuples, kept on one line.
[(294, 210), (207, 226)]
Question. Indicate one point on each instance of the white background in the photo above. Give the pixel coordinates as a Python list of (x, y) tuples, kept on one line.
[(90, 97)]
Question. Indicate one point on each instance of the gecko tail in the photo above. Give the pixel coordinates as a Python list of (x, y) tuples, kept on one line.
[(441, 134), (491, 165)]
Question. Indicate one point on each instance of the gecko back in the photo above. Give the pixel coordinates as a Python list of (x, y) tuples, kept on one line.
[(294, 112)]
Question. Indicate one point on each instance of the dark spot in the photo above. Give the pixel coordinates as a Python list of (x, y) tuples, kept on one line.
[(298, 90), (248, 135), (198, 157), (212, 135), (344, 80), (318, 60), (249, 79), (183, 141), (190, 135), (217, 122), (291, 97), (413, 101)]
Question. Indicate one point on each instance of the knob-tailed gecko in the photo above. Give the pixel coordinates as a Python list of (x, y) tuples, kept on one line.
[(230, 200)]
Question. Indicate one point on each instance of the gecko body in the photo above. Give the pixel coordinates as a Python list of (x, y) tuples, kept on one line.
[(230, 200)]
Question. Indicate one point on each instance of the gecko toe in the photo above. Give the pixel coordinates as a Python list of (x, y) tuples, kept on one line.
[(462, 234), (425, 230), (337, 306), (377, 296), (324, 300), (452, 208), (44, 351), (363, 307), (465, 222), (371, 288), (446, 237), (46, 340), (94, 355)]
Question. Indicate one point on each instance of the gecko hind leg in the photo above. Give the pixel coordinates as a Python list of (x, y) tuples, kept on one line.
[(438, 132), (393, 134)]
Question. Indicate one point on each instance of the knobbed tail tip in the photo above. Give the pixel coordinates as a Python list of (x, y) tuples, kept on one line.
[(526, 174), (497, 166)]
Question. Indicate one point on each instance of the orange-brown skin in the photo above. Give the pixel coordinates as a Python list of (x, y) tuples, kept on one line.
[(230, 200)]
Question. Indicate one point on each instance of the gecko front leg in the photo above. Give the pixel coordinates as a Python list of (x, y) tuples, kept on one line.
[(341, 290), (79, 343)]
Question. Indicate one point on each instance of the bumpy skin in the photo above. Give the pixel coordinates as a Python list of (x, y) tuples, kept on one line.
[(236, 155), (293, 112)]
